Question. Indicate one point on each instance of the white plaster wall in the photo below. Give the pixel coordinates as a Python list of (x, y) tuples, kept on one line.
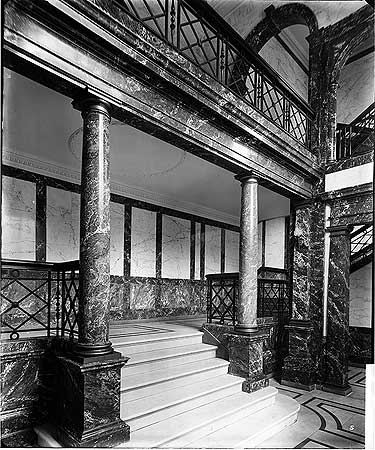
[(360, 297), (18, 219), (197, 251), (143, 243), (232, 243), (349, 177), (285, 66), (117, 239), (356, 88), (62, 225), (175, 248), (212, 249), (275, 243)]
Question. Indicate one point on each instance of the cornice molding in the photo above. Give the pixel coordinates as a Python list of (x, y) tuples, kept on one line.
[(25, 162)]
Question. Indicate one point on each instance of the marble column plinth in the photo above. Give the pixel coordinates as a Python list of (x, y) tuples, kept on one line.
[(246, 359), (335, 370), (93, 317), (248, 258), (300, 369), (87, 402)]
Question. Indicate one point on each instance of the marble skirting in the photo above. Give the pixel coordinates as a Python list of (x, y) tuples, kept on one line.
[(360, 345), (146, 297)]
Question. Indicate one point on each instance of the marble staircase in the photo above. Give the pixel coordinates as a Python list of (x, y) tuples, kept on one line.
[(175, 393)]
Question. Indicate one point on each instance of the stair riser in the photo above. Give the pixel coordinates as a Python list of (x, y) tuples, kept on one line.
[(148, 419), (131, 349), (131, 369), (133, 394), (215, 425)]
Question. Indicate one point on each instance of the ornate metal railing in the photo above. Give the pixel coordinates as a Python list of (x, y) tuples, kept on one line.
[(350, 137), (195, 29), (361, 246), (222, 295), (39, 299)]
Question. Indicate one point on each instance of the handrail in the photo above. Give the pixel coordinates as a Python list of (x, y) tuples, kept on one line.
[(363, 114), (197, 31), (74, 264)]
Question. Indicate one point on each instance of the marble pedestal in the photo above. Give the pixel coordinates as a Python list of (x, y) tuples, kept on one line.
[(87, 402), (299, 369), (246, 359)]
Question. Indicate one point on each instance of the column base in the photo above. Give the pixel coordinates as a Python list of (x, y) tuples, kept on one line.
[(246, 359), (92, 350), (339, 390), (245, 329)]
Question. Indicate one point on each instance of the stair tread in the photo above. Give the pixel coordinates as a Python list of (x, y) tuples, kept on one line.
[(183, 393), (137, 381), (249, 427), (128, 341), (154, 355), (173, 427)]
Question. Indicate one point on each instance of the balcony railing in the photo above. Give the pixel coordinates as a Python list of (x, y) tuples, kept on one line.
[(350, 137), (39, 299), (361, 244), (222, 296), (195, 29)]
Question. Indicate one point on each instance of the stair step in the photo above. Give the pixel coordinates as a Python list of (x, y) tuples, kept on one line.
[(168, 357), (182, 429), (144, 384), (252, 430), (165, 404), (139, 344)]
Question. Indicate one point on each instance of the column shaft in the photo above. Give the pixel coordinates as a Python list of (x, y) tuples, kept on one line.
[(94, 231), (248, 264)]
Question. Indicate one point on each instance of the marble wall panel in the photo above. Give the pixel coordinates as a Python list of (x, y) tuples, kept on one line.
[(62, 225), (143, 243), (182, 297), (355, 83), (175, 248), (18, 219), (197, 251), (117, 239), (285, 66), (360, 293), (275, 242), (232, 242), (212, 249), (143, 293), (119, 298)]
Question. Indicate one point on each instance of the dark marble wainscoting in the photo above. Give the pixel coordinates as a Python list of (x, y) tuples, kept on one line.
[(360, 345), (145, 298), (20, 387)]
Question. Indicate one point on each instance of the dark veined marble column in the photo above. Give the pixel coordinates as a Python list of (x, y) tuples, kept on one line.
[(93, 339), (337, 353), (248, 267)]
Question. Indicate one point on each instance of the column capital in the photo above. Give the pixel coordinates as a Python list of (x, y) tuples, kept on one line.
[(247, 177), (89, 102), (340, 229)]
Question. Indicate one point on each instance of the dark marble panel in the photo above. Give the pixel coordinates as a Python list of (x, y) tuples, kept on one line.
[(119, 299), (353, 209), (360, 345), (272, 274), (354, 161), (41, 221)]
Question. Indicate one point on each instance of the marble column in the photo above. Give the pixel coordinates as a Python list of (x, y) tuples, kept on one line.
[(335, 369), (93, 320), (248, 264)]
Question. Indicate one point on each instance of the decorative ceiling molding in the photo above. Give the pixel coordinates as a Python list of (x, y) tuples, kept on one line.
[(25, 162)]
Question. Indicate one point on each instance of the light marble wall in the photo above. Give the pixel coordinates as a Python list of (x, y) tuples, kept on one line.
[(284, 65), (62, 225), (117, 239), (232, 243), (212, 250), (275, 243), (18, 219), (349, 177), (260, 243), (355, 90), (143, 243), (197, 274), (175, 248), (360, 310)]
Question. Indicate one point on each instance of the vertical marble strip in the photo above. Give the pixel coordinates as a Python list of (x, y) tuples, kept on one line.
[(286, 243), (192, 250), (222, 250), (197, 251), (158, 244), (263, 243), (127, 238), (260, 244), (203, 252), (41, 221)]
